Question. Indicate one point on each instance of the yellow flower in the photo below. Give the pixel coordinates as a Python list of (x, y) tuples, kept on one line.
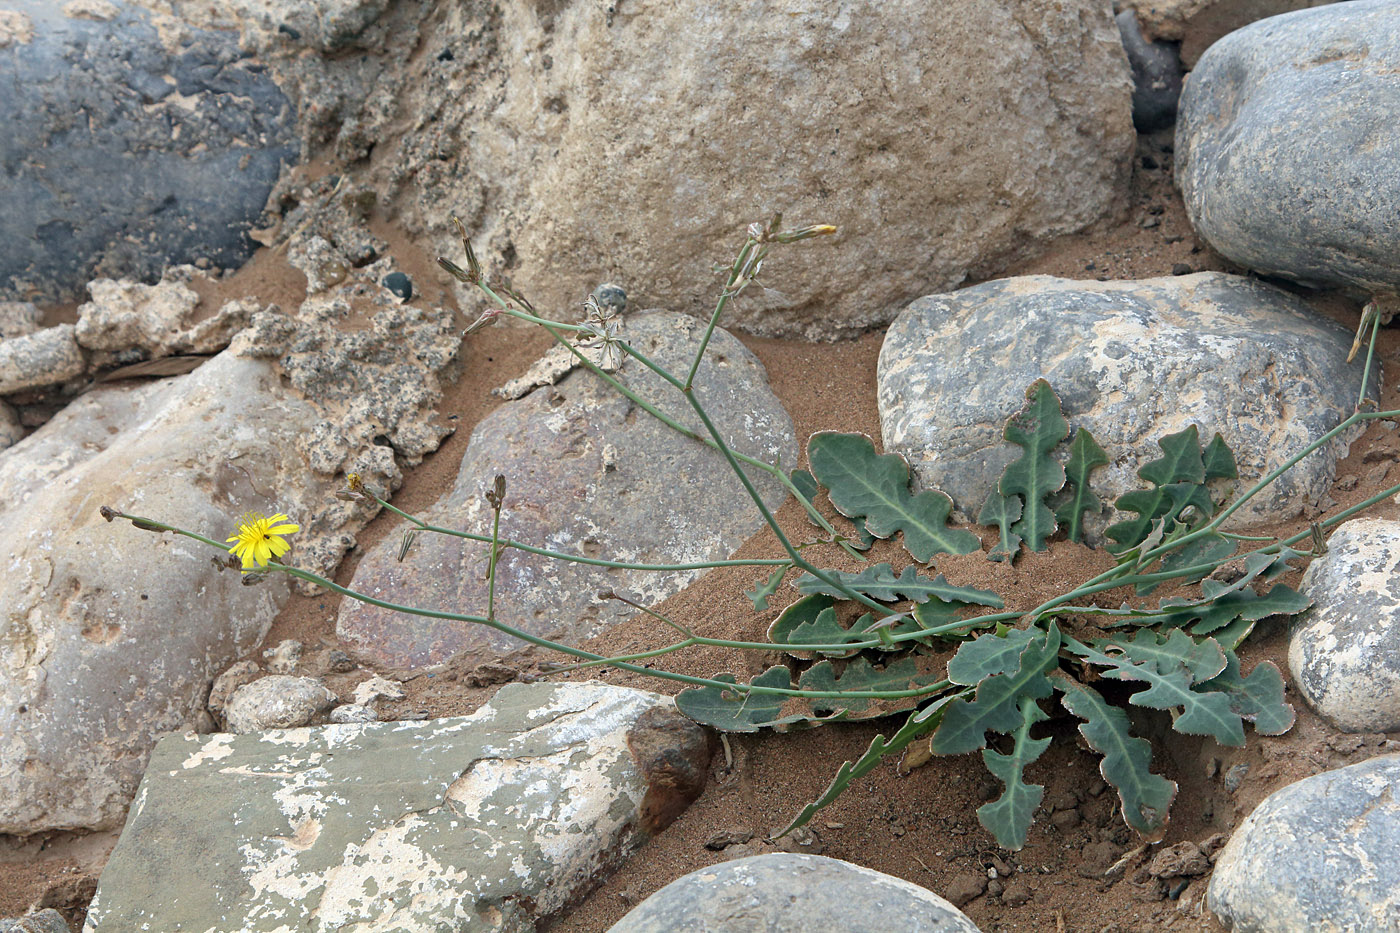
[(259, 539)]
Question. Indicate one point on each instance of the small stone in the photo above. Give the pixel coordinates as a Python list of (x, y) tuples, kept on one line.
[(44, 358), (1065, 819), (277, 702), (1235, 776), (335, 661), (375, 687), (1185, 859), (353, 712), (728, 837), (1016, 894), (1147, 223), (284, 657), (242, 672), (611, 296), (965, 887), (1181, 268), (995, 887), (18, 319), (1064, 800), (490, 673), (400, 284), (1096, 787), (47, 920)]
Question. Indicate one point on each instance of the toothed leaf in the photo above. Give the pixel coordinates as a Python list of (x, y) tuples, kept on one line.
[(994, 708), (1003, 512), (1257, 697), (988, 655), (862, 483), (879, 581), (764, 589), (1037, 429), (1180, 461), (860, 675), (1085, 455), (1204, 659), (1008, 818), (733, 711), (1218, 460)]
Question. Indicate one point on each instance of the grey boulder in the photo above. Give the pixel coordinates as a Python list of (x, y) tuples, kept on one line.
[(788, 893), (1131, 362), (1322, 853), (486, 822), (129, 144), (1286, 150), (1344, 652), (586, 473)]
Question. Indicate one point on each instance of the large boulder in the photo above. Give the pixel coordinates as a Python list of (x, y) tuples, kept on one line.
[(129, 145), (1198, 24), (634, 143), (1131, 362), (1323, 853), (1286, 150), (487, 822), (587, 473)]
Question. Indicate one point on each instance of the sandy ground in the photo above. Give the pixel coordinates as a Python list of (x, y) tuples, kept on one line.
[(919, 824)]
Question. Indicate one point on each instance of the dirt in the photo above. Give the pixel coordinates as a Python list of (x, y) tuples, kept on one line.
[(1081, 869)]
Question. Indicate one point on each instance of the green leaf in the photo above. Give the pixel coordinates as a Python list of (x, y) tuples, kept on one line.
[(919, 724), (1037, 429), (1002, 511), (988, 655), (1084, 456), (1177, 479), (1258, 697), (1218, 460), (761, 591), (1207, 549), (803, 611), (1180, 462), (995, 706), (1222, 605), (812, 621), (1204, 659), (879, 581), (1146, 798), (806, 484), (1200, 713), (860, 675), (734, 711), (862, 483), (1008, 818)]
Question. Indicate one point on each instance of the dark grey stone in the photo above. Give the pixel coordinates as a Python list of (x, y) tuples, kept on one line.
[(400, 284), (1323, 853), (43, 921), (1157, 75), (586, 473), (1345, 651), (1287, 152), (788, 893), (1131, 362), (122, 155)]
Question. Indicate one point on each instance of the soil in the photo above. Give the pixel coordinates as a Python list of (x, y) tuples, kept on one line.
[(1081, 869)]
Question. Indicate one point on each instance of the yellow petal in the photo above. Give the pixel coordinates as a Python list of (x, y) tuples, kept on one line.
[(278, 546), (284, 529)]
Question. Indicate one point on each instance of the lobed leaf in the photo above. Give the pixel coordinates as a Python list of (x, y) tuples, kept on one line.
[(1145, 798), (764, 589), (1085, 455), (1008, 818), (862, 483), (988, 655), (995, 705), (1204, 659), (1037, 428), (812, 621), (860, 675), (1257, 698), (1003, 512), (1218, 460), (879, 581), (735, 711)]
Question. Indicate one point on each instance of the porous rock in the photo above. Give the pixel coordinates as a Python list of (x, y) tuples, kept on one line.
[(488, 822), (1198, 24), (159, 320), (18, 318), (278, 701), (586, 473), (1322, 853), (238, 674), (1344, 652), (324, 25), (936, 159), (1277, 124), (47, 920), (110, 635), (1130, 361), (94, 102), (42, 358), (788, 893)]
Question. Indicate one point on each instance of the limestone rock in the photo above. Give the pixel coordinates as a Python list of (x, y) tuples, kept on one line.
[(1344, 652), (18, 318), (787, 893), (277, 701), (109, 635), (238, 674), (204, 129), (42, 921), (1278, 122), (42, 358), (586, 473), (1130, 361), (1322, 853), (1198, 24), (635, 144), (158, 320), (488, 822)]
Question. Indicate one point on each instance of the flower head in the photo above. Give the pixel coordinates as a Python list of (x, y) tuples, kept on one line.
[(259, 538)]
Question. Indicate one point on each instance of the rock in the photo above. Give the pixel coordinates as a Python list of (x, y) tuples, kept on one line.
[(43, 358), (109, 635), (277, 701), (11, 428), (641, 142), (1131, 362), (202, 126), (400, 284), (1016, 893), (1344, 652), (586, 473), (323, 25), (18, 319), (335, 661), (492, 821), (1277, 123), (368, 691), (966, 887), (354, 712), (1183, 860), (240, 673), (47, 920), (1198, 24), (1333, 840), (283, 658), (159, 320), (785, 893), (1156, 76)]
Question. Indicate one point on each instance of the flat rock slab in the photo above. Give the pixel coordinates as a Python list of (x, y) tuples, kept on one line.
[(1344, 652), (787, 893), (1320, 854), (486, 822), (586, 473), (1131, 362), (1286, 150)]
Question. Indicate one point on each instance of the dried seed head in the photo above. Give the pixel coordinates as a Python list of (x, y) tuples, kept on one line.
[(107, 512)]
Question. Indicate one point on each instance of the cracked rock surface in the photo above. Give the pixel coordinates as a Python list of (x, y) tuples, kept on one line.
[(488, 822)]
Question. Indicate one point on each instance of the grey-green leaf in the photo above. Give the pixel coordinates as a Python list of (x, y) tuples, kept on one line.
[(1037, 429), (764, 589), (1258, 697), (1085, 455), (1003, 512), (879, 581), (988, 655), (862, 483), (995, 706), (1008, 818), (735, 711)]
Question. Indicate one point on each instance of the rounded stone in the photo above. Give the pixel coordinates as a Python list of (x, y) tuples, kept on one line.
[(1344, 652), (278, 701), (789, 893), (400, 284)]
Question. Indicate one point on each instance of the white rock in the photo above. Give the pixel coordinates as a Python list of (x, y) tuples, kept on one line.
[(277, 701)]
